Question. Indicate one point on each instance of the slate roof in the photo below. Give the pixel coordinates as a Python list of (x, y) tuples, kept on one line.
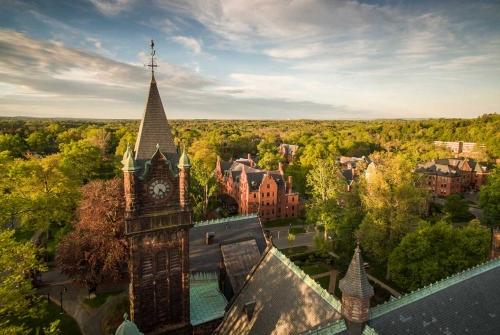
[(287, 301), (206, 302), (239, 259), (207, 258), (466, 303), (154, 129), (449, 167), (355, 282)]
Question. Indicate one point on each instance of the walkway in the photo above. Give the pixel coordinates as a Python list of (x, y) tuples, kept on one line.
[(89, 319)]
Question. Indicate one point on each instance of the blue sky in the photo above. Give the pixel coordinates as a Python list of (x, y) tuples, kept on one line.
[(251, 59)]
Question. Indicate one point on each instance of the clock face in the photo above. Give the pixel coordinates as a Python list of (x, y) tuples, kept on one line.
[(159, 188)]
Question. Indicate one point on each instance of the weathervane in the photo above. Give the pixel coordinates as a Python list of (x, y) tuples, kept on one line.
[(153, 52)]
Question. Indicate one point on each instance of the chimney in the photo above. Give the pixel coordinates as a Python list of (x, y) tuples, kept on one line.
[(289, 184), (209, 238), (250, 160), (280, 168)]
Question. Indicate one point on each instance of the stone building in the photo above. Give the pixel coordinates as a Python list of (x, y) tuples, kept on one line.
[(268, 193), (288, 151), (452, 175)]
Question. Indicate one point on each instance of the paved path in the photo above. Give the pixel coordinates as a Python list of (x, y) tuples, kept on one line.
[(89, 319), (384, 285)]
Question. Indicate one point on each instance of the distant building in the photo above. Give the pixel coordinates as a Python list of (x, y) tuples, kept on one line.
[(350, 169), (288, 151), (256, 190), (452, 175), (458, 147)]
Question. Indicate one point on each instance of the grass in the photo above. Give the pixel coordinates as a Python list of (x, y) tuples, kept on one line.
[(67, 325), (324, 282), (314, 269), (283, 222), (297, 230), (100, 299), (294, 250)]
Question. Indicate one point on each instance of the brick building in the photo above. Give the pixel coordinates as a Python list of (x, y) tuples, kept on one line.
[(452, 175), (288, 151), (268, 193)]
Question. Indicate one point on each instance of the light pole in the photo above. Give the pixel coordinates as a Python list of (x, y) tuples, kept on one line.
[(63, 290)]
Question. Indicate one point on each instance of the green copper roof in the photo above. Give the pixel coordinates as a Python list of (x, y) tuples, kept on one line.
[(333, 328), (330, 299), (184, 160), (207, 303), (127, 327), (128, 160), (433, 288), (223, 220)]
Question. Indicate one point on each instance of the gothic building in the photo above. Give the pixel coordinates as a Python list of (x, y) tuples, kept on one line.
[(224, 277), (255, 190)]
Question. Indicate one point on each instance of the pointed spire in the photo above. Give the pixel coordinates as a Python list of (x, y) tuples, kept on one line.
[(128, 159), (154, 127), (184, 160), (355, 283)]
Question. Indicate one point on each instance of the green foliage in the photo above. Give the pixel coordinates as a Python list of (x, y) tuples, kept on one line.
[(393, 204), (80, 160), (457, 208), (489, 198), (13, 144), (433, 252), (17, 297)]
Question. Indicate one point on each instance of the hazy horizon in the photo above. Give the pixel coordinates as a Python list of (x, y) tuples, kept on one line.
[(251, 60)]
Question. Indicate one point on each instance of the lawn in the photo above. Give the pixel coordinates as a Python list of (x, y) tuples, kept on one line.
[(324, 282), (294, 250), (314, 269), (67, 325), (100, 299), (297, 230)]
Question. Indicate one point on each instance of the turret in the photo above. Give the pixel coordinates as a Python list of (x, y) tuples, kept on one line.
[(356, 292), (184, 179), (130, 180)]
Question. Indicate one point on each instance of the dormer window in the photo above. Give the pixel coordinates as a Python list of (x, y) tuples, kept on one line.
[(249, 308)]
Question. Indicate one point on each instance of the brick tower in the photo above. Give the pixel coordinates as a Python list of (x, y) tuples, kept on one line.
[(356, 293), (157, 222)]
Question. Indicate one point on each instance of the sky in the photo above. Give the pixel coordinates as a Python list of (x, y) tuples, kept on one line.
[(244, 59)]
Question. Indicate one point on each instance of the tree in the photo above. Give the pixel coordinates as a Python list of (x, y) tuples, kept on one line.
[(14, 144), (489, 198), (433, 252), (393, 204), (96, 249), (35, 193), (80, 160), (457, 208), (18, 301), (269, 157)]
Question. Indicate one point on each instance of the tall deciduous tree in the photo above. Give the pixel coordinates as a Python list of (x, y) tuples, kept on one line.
[(489, 198), (392, 202), (433, 252), (96, 249), (18, 301)]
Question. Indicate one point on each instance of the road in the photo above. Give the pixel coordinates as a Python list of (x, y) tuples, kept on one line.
[(280, 238)]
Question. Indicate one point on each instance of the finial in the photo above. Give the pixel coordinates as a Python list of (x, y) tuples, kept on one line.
[(125, 316), (152, 65), (157, 146)]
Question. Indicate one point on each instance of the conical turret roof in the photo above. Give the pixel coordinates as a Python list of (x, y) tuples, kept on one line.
[(355, 283), (154, 127)]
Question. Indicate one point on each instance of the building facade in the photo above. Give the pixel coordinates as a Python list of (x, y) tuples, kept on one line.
[(288, 151), (452, 175), (268, 193)]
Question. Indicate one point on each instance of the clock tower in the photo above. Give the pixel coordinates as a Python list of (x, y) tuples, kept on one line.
[(157, 222)]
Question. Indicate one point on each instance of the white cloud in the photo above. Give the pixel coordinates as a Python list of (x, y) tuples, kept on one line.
[(188, 42), (112, 7)]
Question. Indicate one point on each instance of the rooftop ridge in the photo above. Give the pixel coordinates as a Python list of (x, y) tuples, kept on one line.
[(331, 300), (203, 276), (226, 220), (332, 328), (425, 291)]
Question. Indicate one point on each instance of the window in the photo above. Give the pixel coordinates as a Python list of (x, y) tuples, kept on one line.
[(161, 261), (255, 195), (293, 207), (268, 203), (268, 186), (262, 194), (267, 193)]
